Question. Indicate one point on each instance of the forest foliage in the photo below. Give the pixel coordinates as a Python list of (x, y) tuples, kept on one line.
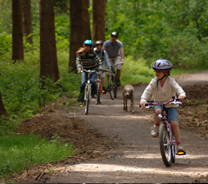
[(176, 30)]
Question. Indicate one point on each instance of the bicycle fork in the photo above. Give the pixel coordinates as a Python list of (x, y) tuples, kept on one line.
[(87, 87)]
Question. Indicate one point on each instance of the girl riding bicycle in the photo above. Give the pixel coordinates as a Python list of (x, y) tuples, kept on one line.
[(162, 88), (87, 59)]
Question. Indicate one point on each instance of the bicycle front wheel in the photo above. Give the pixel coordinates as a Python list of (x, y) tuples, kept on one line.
[(98, 93), (87, 101), (114, 88), (110, 86), (165, 147), (173, 149)]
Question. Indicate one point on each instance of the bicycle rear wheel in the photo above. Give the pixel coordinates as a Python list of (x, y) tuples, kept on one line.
[(87, 101), (165, 147), (98, 93), (110, 86)]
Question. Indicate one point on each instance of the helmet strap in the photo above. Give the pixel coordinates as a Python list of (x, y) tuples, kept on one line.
[(161, 79)]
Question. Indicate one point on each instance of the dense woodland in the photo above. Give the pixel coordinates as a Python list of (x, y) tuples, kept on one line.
[(38, 40)]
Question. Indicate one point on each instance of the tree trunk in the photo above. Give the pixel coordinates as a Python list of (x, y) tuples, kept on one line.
[(2, 109), (17, 31), (27, 20), (79, 28), (48, 55), (98, 20)]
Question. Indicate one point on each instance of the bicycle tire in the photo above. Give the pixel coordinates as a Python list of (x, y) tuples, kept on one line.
[(87, 101), (165, 147), (173, 149), (110, 85), (98, 94), (114, 87)]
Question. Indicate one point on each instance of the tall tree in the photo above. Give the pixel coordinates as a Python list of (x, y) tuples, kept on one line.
[(79, 28), (27, 19), (61, 6), (98, 20), (2, 109), (48, 55), (17, 31)]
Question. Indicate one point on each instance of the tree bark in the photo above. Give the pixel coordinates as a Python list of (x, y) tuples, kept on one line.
[(17, 31), (48, 55), (79, 28), (2, 109), (27, 20), (98, 20)]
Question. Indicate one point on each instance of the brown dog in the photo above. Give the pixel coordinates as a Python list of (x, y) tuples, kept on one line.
[(128, 93)]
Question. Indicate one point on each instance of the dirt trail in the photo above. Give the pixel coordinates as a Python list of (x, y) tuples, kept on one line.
[(128, 153)]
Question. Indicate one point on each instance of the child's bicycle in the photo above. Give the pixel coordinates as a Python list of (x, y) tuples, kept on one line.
[(88, 89), (112, 85), (166, 138)]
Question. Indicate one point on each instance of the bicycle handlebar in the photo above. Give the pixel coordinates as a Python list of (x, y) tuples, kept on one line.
[(171, 101)]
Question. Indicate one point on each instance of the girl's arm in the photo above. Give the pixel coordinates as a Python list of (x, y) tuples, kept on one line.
[(147, 92), (179, 90)]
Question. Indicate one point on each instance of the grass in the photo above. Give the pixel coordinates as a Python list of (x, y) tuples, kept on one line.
[(134, 72), (18, 152)]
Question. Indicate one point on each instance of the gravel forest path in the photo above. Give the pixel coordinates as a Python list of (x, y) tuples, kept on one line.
[(137, 157)]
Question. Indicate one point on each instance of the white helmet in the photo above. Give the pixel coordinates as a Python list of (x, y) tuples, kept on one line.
[(162, 65)]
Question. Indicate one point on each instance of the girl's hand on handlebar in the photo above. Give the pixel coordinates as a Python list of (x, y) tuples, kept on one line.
[(181, 98), (142, 104)]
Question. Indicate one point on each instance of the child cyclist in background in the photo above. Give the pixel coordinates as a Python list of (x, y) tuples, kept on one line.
[(162, 88), (104, 58), (87, 59)]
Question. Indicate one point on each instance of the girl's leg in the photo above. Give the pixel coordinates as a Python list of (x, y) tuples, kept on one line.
[(84, 79), (156, 119), (155, 128), (81, 94), (177, 134), (172, 117)]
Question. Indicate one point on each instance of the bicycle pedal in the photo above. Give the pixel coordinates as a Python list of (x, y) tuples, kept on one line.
[(181, 153)]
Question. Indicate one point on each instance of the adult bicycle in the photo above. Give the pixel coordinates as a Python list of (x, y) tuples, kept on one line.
[(166, 136), (88, 89), (112, 83)]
